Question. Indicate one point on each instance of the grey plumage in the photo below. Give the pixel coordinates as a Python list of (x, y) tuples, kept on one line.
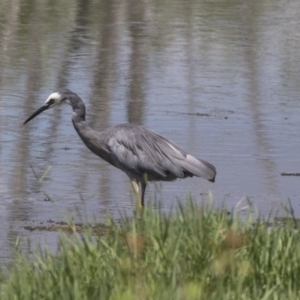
[(139, 152)]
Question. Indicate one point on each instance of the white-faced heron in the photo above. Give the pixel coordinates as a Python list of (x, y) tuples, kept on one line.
[(139, 152)]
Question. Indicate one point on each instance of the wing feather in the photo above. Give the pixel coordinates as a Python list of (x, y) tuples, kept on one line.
[(138, 150)]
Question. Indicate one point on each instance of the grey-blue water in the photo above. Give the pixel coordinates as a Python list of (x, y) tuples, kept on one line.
[(219, 78)]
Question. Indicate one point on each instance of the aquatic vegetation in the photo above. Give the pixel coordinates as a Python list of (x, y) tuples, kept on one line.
[(195, 252)]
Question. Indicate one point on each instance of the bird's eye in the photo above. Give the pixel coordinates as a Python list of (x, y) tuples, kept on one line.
[(51, 101)]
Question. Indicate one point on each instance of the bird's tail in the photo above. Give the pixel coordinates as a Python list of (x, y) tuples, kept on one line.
[(200, 168)]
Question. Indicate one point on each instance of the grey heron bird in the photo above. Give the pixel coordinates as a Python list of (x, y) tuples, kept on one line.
[(139, 152)]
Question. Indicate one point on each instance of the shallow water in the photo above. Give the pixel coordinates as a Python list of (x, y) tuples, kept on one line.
[(219, 78)]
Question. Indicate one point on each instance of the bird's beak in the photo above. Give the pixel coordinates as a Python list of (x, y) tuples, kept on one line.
[(37, 112)]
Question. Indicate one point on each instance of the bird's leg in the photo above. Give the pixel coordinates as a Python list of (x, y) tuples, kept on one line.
[(136, 189), (143, 185)]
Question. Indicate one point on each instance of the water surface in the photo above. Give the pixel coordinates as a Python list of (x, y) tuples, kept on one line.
[(219, 78)]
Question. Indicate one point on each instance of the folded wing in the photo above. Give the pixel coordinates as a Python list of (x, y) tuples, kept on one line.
[(138, 151)]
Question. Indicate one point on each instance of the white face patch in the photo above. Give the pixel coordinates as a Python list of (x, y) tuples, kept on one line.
[(56, 97)]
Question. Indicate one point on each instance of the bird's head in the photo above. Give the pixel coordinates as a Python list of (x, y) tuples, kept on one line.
[(59, 97)]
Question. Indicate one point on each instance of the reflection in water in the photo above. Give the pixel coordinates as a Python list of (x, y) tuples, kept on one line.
[(160, 64), (105, 73), (139, 25), (75, 41), (254, 98)]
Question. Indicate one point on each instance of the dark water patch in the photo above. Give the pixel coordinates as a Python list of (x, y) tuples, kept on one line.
[(63, 226)]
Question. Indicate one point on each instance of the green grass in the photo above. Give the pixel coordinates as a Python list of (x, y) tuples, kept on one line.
[(194, 253)]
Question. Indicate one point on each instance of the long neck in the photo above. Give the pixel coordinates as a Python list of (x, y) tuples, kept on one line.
[(78, 109), (78, 118), (85, 132), (94, 140)]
